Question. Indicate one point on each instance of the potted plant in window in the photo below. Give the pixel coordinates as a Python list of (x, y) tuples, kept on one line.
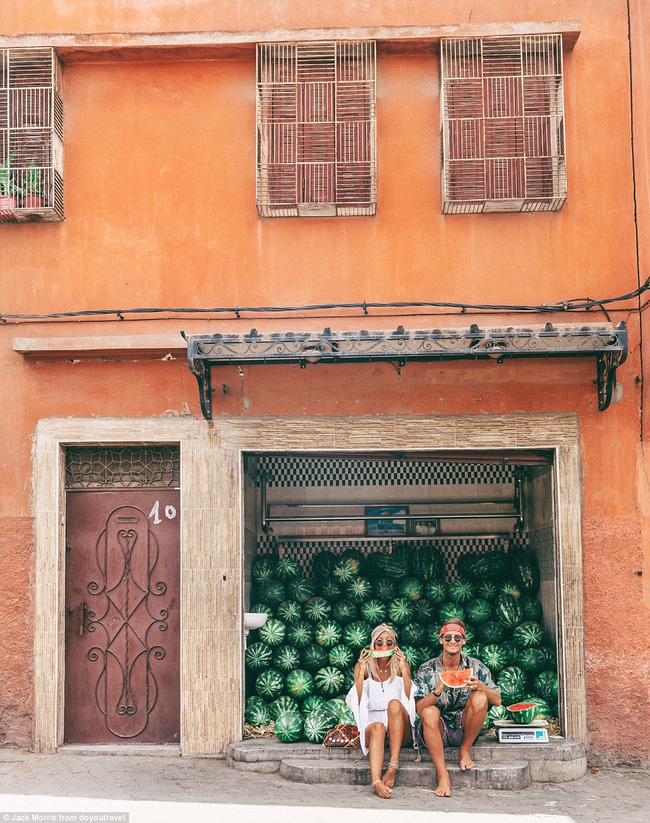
[(8, 190), (32, 190)]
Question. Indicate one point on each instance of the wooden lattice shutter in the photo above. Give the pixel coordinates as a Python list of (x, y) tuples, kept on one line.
[(502, 119), (316, 142), (31, 134)]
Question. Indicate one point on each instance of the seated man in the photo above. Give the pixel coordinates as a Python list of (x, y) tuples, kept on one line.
[(452, 717)]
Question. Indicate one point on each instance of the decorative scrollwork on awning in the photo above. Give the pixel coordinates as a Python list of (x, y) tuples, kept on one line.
[(606, 343)]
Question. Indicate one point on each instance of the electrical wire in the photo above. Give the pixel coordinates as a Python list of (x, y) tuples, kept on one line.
[(574, 304)]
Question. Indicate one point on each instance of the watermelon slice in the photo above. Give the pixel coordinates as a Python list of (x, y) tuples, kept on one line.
[(523, 712), (455, 679), (386, 653)]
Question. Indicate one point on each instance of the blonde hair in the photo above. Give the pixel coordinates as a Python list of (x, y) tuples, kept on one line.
[(373, 664)]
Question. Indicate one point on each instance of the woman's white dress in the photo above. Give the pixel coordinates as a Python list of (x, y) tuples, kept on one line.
[(373, 706)]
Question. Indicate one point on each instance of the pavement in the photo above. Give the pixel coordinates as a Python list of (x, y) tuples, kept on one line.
[(122, 788)]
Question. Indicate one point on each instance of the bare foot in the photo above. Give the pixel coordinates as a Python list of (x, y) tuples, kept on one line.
[(443, 788), (381, 790), (389, 776), (465, 761)]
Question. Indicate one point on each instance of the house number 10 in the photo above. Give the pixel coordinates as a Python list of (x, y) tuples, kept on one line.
[(170, 513)]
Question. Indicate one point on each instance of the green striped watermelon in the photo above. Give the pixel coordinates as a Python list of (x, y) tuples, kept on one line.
[(400, 611), (346, 569), (258, 656), (256, 712), (317, 724), (451, 611), (461, 591), (510, 587), (487, 589), (425, 612), (384, 590), (524, 568), (341, 656), (356, 635), (490, 565), (317, 609), (359, 590), (313, 702), (301, 590), (474, 650), (391, 566), (478, 610), (289, 611), (490, 632), (494, 657), (497, 713), (543, 707), (413, 634), (328, 681), (271, 592), (269, 684), (373, 612), (435, 592), (410, 588), (510, 649), (327, 633), (313, 657), (299, 684), (300, 634), (287, 569), (522, 712), (286, 658), (513, 683), (532, 608), (263, 567), (323, 564), (284, 703), (427, 563), (330, 590), (344, 612), (261, 608), (546, 683), (531, 660), (507, 611), (413, 657), (527, 634), (339, 708), (273, 632), (289, 726)]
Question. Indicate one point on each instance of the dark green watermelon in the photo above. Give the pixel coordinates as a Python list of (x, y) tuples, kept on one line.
[(425, 612), (390, 566), (373, 612), (359, 590), (510, 649), (261, 608), (435, 591), (323, 564), (269, 684), (256, 712), (341, 656), (339, 708), (384, 590), (287, 569), (478, 610), (427, 563), (487, 589), (282, 704), (317, 724), (490, 632), (546, 683), (327, 633), (258, 656), (286, 658), (531, 660), (413, 657), (490, 565), (410, 588), (263, 567), (513, 684), (461, 591), (549, 657), (299, 684), (314, 657), (510, 587), (289, 726), (273, 632), (313, 702), (473, 650), (470, 634), (413, 634), (301, 590), (271, 592), (346, 569), (532, 608), (497, 713), (400, 611), (328, 681), (300, 634), (344, 612), (544, 711), (356, 635), (528, 634), (348, 680), (317, 609), (524, 569), (289, 611), (494, 657), (450, 611), (330, 590), (508, 611)]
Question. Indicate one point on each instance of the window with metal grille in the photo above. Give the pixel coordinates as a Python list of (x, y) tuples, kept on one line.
[(502, 121), (316, 142), (31, 135)]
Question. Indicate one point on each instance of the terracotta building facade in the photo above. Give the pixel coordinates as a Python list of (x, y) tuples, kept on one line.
[(269, 269)]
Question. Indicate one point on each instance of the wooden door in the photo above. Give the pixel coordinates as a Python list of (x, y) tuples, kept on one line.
[(122, 682)]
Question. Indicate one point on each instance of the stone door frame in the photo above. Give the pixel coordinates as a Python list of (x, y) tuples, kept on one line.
[(212, 666)]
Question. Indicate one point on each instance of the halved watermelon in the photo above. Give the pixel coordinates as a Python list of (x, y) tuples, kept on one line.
[(455, 679), (383, 653), (523, 712)]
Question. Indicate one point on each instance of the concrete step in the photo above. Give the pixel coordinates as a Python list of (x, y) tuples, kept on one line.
[(496, 776), (558, 761)]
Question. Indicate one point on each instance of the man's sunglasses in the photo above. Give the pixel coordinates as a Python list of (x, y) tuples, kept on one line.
[(455, 637)]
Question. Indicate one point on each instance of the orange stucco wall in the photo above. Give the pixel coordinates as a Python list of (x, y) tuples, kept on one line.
[(160, 212)]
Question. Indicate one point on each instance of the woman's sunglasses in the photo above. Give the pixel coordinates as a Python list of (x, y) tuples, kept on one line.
[(380, 643), (455, 637)]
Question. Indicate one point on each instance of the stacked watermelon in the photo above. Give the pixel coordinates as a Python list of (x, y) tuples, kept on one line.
[(300, 663)]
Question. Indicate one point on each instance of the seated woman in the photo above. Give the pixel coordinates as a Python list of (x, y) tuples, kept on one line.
[(381, 700)]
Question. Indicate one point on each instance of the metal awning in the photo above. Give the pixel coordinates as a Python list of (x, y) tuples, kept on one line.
[(605, 342)]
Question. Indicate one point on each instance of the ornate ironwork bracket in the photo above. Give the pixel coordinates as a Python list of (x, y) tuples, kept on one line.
[(606, 343)]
